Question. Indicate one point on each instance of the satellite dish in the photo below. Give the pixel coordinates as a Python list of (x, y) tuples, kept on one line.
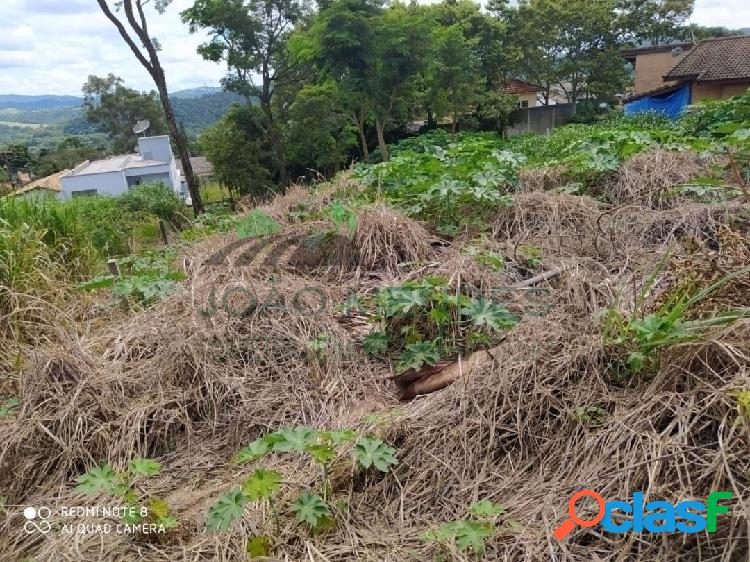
[(141, 127)]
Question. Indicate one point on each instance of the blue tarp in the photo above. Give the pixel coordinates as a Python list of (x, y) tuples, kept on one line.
[(671, 104)]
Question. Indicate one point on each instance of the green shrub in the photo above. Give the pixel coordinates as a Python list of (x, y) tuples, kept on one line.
[(156, 199), (257, 223)]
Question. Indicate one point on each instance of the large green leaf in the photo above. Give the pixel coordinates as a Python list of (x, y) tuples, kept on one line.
[(100, 479), (228, 508), (294, 439), (484, 312), (417, 355), (144, 467), (254, 450), (311, 509), (261, 484), (373, 452)]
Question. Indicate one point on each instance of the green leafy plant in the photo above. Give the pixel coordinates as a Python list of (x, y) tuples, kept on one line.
[(589, 415), (9, 406), (469, 535), (321, 447), (228, 508), (376, 343), (424, 321), (373, 452), (122, 484), (255, 224), (318, 346), (640, 337), (343, 216), (531, 255), (144, 278), (311, 509), (418, 354)]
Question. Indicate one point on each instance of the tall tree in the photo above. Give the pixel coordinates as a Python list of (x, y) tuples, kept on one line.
[(250, 38), (653, 22), (338, 43), (240, 152), (113, 108), (571, 43), (319, 132), (454, 82), (394, 63), (148, 55)]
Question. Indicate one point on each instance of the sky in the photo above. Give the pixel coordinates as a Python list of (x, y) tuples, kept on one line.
[(52, 46)]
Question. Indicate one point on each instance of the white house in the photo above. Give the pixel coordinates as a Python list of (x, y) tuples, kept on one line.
[(116, 175)]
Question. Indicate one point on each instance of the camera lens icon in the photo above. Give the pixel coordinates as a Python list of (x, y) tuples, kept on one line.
[(37, 519)]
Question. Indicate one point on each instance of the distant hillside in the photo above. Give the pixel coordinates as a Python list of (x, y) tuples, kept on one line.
[(195, 92), (198, 113), (38, 102), (43, 121)]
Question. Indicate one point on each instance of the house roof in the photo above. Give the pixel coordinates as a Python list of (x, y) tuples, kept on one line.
[(664, 89), (634, 52), (721, 58), (113, 164), (519, 87), (201, 166), (51, 183)]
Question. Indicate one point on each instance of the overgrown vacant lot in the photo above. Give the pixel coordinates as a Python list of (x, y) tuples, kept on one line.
[(587, 295)]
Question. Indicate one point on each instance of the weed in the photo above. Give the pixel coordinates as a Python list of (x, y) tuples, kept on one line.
[(530, 255), (641, 336), (104, 479), (469, 535), (423, 321), (588, 415), (9, 406), (262, 485), (256, 223)]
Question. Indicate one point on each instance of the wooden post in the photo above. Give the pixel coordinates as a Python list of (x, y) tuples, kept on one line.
[(163, 230), (114, 269)]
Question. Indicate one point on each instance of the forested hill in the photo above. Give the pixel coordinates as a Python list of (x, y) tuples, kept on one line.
[(46, 119), (197, 113)]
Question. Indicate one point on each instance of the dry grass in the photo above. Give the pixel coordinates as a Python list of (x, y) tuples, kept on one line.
[(190, 389), (650, 178)]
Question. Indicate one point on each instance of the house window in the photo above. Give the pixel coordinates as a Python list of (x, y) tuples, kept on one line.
[(524, 103), (83, 193)]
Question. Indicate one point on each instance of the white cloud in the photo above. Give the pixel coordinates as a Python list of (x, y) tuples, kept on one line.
[(734, 14), (51, 46)]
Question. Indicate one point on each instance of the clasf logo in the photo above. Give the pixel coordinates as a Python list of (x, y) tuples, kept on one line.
[(652, 517)]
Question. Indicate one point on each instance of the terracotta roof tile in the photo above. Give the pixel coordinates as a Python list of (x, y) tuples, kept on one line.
[(722, 58), (519, 87)]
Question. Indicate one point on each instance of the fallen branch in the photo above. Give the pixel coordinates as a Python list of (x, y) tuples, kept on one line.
[(539, 278), (446, 376)]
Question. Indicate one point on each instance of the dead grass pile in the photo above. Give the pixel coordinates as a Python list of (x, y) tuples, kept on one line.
[(191, 380), (386, 238), (541, 179), (650, 178)]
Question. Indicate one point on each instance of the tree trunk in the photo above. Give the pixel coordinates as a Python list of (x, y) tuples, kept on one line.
[(454, 123), (363, 139), (273, 133), (379, 126), (156, 71), (181, 144)]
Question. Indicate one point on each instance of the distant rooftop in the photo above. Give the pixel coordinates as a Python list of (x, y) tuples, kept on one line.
[(668, 47), (113, 164), (721, 58), (519, 87), (51, 183), (201, 166)]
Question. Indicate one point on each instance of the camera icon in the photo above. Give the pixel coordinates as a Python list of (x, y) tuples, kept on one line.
[(37, 520)]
